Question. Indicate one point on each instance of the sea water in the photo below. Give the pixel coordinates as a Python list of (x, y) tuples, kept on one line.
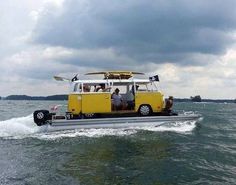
[(175, 153)]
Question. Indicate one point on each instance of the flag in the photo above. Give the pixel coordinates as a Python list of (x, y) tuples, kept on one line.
[(75, 78), (154, 78), (54, 108)]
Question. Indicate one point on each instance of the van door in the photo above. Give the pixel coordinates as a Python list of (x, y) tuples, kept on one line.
[(97, 102)]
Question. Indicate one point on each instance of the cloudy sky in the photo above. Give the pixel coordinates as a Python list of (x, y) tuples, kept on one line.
[(190, 44)]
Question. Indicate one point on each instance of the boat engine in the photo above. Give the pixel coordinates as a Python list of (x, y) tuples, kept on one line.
[(41, 117)]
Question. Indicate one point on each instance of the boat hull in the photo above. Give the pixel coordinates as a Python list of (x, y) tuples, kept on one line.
[(125, 122)]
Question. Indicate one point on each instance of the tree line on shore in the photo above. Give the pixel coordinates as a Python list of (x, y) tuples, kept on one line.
[(25, 97)]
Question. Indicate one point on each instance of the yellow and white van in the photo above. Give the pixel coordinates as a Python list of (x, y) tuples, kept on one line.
[(88, 101)]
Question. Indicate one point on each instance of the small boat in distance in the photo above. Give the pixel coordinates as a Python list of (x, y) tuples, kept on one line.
[(117, 100)]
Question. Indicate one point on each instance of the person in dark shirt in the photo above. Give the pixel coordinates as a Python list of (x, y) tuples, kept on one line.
[(168, 107), (169, 104)]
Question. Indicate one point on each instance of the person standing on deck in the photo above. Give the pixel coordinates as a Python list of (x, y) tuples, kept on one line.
[(169, 105), (130, 95), (116, 100)]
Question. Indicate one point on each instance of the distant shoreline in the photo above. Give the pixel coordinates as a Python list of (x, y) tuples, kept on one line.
[(206, 100), (40, 98), (65, 97)]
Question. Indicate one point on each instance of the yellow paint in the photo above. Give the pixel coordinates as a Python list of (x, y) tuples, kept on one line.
[(89, 103), (96, 102), (74, 103), (100, 102), (154, 99)]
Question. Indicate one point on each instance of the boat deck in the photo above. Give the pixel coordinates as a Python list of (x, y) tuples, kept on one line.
[(119, 122)]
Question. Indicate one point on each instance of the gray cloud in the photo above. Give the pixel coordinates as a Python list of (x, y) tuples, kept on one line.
[(183, 41), (154, 31)]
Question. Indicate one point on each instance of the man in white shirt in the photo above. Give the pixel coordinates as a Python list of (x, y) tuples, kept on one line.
[(117, 100), (103, 88)]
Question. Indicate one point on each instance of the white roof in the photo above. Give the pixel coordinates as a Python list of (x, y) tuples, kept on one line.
[(115, 81)]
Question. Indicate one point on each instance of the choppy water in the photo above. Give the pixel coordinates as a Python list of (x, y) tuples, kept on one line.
[(177, 153)]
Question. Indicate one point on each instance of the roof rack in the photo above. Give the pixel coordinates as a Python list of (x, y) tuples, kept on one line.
[(116, 74)]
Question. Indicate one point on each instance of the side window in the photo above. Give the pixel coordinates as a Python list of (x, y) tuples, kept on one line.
[(75, 89), (86, 88), (104, 87), (152, 87), (141, 87)]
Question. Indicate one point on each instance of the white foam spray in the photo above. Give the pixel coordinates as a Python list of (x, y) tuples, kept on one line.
[(84, 133), (184, 127), (18, 127), (24, 127)]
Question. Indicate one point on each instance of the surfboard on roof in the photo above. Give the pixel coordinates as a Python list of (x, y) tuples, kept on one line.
[(116, 74)]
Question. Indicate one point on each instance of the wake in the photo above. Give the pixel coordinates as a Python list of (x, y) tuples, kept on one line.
[(15, 127), (24, 127)]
